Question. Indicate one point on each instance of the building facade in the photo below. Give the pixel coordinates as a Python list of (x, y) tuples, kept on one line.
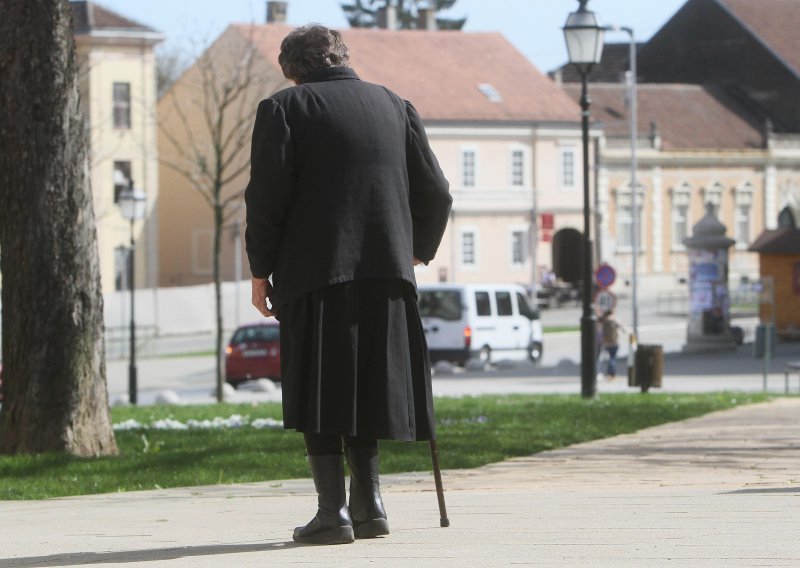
[(118, 93), (506, 136), (721, 128)]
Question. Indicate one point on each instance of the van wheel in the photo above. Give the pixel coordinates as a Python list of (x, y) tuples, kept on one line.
[(535, 351), (485, 355)]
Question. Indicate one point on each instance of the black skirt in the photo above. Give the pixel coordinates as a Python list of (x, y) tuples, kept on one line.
[(354, 361)]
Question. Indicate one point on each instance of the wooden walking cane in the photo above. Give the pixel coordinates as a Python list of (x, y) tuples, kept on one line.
[(437, 478)]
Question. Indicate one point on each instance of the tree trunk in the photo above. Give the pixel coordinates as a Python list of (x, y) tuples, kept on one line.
[(52, 321), (218, 293)]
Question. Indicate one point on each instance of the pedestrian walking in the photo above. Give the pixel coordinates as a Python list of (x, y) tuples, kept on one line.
[(345, 197), (608, 332)]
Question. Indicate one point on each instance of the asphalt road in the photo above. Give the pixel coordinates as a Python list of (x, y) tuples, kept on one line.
[(192, 377)]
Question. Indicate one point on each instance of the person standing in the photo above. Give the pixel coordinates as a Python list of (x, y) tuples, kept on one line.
[(609, 328), (345, 197)]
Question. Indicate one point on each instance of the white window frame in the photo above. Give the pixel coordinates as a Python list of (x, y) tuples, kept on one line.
[(475, 247), (124, 106), (198, 235), (512, 230), (623, 198), (562, 152), (681, 198), (743, 198), (462, 165), (512, 151), (712, 193)]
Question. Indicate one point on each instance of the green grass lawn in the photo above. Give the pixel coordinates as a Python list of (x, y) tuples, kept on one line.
[(471, 431), (560, 328)]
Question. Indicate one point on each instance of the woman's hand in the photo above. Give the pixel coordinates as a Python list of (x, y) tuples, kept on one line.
[(262, 291), (417, 261)]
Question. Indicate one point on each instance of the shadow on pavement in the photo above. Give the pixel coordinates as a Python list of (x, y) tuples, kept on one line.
[(148, 555)]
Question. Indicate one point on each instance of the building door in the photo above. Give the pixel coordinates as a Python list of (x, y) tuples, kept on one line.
[(567, 255)]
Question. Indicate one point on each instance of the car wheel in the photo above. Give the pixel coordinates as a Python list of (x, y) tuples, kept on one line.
[(485, 355), (535, 351)]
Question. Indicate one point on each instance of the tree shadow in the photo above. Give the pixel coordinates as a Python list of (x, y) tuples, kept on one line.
[(147, 555)]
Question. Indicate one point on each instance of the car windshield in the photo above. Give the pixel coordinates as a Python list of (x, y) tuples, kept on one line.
[(256, 334), (442, 304)]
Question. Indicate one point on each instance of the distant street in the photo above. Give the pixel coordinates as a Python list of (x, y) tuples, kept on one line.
[(192, 377)]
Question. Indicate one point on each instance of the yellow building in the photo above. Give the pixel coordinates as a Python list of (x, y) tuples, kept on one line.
[(118, 90)]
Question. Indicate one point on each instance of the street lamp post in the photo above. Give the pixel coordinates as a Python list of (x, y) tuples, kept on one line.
[(635, 221), (133, 206), (584, 38)]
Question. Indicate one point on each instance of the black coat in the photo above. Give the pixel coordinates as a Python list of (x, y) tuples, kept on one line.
[(343, 186)]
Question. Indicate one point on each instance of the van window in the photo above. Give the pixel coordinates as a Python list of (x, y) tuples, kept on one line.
[(442, 304), (482, 303), (503, 300), (525, 308)]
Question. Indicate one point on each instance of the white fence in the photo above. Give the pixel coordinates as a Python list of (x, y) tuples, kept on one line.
[(171, 313)]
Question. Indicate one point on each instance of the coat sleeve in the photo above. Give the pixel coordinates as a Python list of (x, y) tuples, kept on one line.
[(269, 192), (429, 190)]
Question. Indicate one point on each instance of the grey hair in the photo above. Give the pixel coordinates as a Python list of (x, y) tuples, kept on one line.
[(309, 48)]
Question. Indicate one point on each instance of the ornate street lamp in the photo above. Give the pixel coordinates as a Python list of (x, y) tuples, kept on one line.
[(584, 36), (133, 206)]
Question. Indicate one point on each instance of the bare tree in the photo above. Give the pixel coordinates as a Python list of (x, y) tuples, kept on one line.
[(206, 119), (171, 62), (54, 365)]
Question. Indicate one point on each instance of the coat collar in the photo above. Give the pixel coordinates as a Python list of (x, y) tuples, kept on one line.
[(331, 74)]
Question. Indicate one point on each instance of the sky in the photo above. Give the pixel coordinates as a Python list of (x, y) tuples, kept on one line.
[(533, 26)]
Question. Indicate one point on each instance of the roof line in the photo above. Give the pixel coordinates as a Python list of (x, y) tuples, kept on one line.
[(757, 37)]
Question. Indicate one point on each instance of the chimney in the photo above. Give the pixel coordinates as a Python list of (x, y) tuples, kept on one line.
[(276, 12), (387, 16), (426, 19)]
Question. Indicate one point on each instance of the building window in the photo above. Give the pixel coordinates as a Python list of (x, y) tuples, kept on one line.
[(743, 224), (625, 220), (122, 178), (468, 246), (744, 200), (680, 225), (122, 105), (568, 168), (468, 168), (713, 195), (517, 248), (517, 168), (202, 246), (680, 214)]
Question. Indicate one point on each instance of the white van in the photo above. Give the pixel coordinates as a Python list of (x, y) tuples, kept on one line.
[(484, 321)]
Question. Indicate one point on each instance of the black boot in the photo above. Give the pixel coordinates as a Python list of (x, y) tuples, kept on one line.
[(332, 524), (366, 505)]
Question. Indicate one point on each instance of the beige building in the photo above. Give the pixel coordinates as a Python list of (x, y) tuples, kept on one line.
[(506, 136), (118, 90), (696, 146)]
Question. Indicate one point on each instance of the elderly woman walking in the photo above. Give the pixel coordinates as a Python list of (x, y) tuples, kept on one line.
[(345, 197)]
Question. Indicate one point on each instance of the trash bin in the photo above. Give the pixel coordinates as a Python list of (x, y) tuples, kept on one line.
[(648, 366)]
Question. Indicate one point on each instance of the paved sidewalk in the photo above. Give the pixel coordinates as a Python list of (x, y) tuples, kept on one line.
[(718, 490)]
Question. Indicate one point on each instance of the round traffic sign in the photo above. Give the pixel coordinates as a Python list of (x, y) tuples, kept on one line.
[(605, 275), (605, 301)]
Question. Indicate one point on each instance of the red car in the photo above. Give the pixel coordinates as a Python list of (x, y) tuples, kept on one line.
[(254, 352)]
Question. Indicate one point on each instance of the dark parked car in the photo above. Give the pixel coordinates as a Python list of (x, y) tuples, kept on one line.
[(254, 352)]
